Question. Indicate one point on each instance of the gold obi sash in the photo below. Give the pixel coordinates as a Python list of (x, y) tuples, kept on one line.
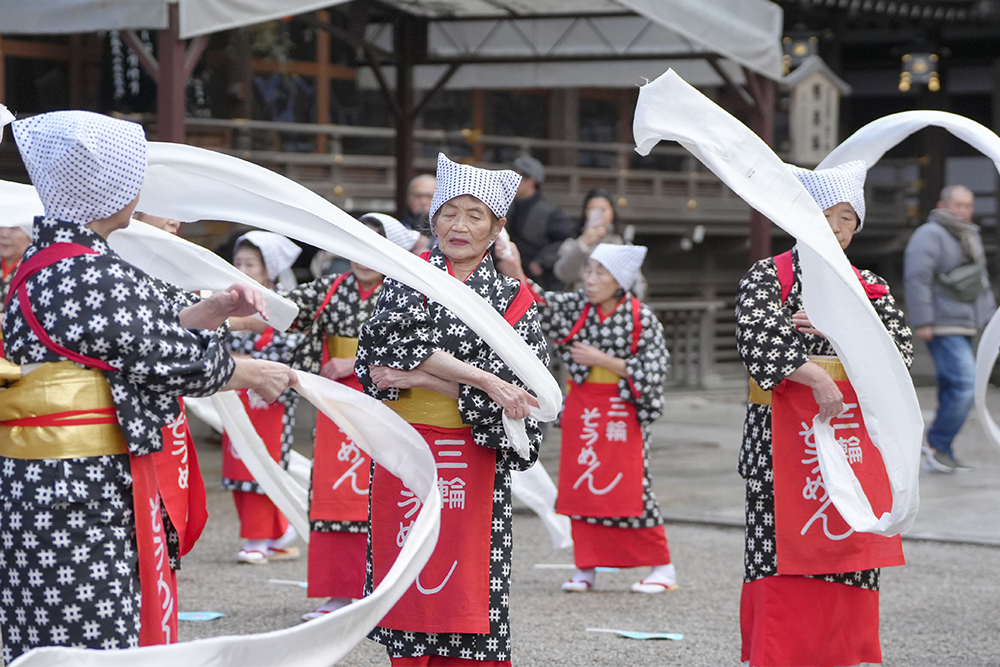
[(425, 406), (600, 375), (59, 411), (340, 347), (832, 365)]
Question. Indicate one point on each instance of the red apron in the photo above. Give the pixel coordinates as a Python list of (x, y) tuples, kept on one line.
[(812, 536), (601, 463), (181, 485), (340, 468), (604, 477), (158, 611), (452, 592), (268, 421)]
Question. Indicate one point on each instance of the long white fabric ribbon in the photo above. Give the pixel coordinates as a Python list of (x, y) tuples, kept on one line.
[(533, 487), (388, 439), (670, 109), (189, 183), (870, 143), (161, 255)]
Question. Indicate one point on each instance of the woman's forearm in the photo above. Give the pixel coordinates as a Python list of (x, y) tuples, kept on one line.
[(434, 383), (614, 364), (202, 315), (448, 368)]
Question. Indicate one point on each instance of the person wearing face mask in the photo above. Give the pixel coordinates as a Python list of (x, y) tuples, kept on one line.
[(810, 592), (102, 353), (438, 374), (332, 310), (617, 361), (267, 534)]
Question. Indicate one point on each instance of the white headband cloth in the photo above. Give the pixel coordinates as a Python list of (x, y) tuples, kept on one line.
[(278, 252), (394, 230), (622, 261), (85, 166), (495, 188)]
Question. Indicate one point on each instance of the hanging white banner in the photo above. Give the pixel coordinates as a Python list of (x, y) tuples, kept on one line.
[(670, 109)]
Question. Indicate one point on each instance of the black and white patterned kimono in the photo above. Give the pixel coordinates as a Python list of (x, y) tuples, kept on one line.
[(771, 349), (647, 370), (68, 560), (280, 347), (344, 314), (405, 329)]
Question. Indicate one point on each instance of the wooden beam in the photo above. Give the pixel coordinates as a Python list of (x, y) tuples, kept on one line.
[(3, 72), (322, 80), (146, 58), (76, 71), (171, 82), (17, 48), (478, 122)]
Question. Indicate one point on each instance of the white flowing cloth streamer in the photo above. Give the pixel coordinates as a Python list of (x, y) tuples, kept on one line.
[(986, 357), (870, 143), (392, 442), (5, 117), (670, 109), (189, 183), (154, 251), (533, 487)]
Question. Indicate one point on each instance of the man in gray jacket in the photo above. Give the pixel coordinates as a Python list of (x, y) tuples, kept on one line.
[(948, 301)]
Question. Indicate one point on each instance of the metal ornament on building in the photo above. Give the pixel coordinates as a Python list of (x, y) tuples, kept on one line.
[(919, 69), (814, 93), (797, 48)]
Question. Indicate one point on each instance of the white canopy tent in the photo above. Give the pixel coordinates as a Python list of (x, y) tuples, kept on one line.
[(746, 32)]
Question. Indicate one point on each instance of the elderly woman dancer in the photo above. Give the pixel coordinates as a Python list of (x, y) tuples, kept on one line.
[(617, 360), (810, 592), (332, 310), (104, 355), (263, 256), (440, 376)]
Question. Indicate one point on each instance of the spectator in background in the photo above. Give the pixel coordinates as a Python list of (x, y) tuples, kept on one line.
[(949, 300), (13, 242), (418, 203), (536, 225), (599, 225)]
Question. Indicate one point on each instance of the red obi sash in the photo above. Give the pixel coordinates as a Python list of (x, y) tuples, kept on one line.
[(812, 537), (452, 593), (268, 421), (603, 478), (158, 612), (340, 468)]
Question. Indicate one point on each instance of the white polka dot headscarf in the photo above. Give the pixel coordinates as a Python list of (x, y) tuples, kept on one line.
[(496, 189), (843, 183), (622, 261), (278, 252), (85, 166)]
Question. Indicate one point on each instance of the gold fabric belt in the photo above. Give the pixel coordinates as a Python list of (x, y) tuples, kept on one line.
[(831, 365), (52, 389), (424, 406), (340, 347), (600, 375)]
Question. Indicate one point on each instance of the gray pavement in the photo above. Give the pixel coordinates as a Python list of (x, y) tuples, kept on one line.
[(940, 609)]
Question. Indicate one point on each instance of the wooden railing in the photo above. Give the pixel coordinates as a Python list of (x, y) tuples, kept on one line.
[(358, 171), (689, 330)]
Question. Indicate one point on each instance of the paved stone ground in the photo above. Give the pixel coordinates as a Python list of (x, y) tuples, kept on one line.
[(939, 610)]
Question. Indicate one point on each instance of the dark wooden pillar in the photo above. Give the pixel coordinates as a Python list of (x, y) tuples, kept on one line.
[(405, 46), (761, 122), (171, 81)]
